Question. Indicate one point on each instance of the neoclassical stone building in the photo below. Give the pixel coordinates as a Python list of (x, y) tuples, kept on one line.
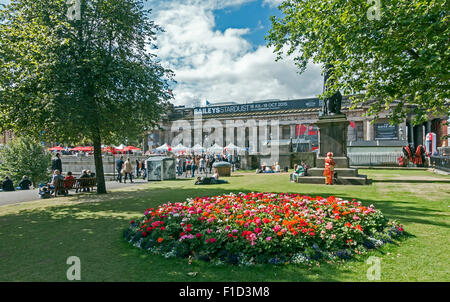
[(253, 125)]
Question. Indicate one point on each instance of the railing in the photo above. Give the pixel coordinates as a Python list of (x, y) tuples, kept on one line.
[(440, 162), (374, 158)]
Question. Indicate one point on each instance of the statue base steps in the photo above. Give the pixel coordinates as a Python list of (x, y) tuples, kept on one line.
[(345, 176)]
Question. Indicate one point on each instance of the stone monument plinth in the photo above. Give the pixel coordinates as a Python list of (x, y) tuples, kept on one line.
[(333, 138)]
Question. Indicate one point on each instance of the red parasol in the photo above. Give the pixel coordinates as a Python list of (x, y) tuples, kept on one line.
[(77, 149), (81, 148), (131, 148), (57, 148)]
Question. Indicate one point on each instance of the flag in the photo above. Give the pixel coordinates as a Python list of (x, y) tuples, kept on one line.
[(301, 129), (208, 103), (170, 91), (352, 124)]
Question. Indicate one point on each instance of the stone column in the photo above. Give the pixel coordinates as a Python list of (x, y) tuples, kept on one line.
[(293, 131), (369, 131)]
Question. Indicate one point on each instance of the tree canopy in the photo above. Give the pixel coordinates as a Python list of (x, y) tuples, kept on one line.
[(393, 53), (88, 76)]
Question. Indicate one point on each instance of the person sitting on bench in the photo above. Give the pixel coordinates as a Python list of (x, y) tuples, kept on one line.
[(24, 184), (56, 177), (7, 185)]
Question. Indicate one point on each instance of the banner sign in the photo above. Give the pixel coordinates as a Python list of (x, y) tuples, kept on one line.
[(256, 107), (386, 131)]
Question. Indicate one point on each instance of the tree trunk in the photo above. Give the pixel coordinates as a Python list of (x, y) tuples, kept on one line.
[(101, 185)]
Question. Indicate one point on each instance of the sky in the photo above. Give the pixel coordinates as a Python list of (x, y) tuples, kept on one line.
[(218, 53)]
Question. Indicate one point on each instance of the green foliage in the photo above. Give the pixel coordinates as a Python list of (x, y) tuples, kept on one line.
[(95, 79), (81, 78), (25, 156), (402, 59)]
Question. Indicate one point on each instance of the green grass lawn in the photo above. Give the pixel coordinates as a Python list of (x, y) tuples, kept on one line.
[(36, 238)]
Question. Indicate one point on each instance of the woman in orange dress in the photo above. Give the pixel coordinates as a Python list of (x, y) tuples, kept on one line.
[(329, 169)]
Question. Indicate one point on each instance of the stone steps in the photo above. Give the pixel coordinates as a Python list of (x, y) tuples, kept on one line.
[(341, 172), (360, 180)]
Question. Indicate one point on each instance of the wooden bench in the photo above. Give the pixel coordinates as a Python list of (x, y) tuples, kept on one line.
[(62, 187), (86, 183)]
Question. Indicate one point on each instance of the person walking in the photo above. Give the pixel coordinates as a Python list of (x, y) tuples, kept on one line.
[(119, 166), (211, 163), (193, 166), (202, 165), (144, 170), (138, 164), (57, 163), (188, 166), (127, 169)]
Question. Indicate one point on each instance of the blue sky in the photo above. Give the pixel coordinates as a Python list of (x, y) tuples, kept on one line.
[(251, 15), (218, 53)]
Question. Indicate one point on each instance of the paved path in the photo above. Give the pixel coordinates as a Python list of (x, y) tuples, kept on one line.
[(7, 198)]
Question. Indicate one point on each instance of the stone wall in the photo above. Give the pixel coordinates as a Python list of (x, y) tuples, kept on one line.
[(77, 164), (308, 157)]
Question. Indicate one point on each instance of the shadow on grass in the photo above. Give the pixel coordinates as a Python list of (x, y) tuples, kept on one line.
[(41, 240), (412, 181)]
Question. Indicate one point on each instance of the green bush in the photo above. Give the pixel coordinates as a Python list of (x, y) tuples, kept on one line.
[(25, 156)]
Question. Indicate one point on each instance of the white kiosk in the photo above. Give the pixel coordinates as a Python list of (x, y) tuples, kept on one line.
[(160, 168)]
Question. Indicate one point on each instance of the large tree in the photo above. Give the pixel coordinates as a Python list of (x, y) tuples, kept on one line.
[(82, 70), (391, 54)]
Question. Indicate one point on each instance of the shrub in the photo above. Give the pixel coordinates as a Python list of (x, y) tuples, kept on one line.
[(25, 156)]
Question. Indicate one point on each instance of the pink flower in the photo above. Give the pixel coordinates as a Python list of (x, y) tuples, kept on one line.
[(276, 228), (355, 217), (198, 235), (268, 238), (258, 230), (329, 226)]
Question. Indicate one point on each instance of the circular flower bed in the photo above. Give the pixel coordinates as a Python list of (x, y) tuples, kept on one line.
[(262, 228)]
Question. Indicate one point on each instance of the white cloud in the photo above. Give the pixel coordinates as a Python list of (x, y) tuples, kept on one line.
[(273, 3), (223, 66)]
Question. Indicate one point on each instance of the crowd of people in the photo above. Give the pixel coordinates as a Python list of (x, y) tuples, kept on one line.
[(189, 165), (269, 169), (125, 169), (418, 158), (48, 189)]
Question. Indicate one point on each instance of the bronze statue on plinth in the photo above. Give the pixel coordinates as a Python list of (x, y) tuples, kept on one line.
[(331, 105)]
